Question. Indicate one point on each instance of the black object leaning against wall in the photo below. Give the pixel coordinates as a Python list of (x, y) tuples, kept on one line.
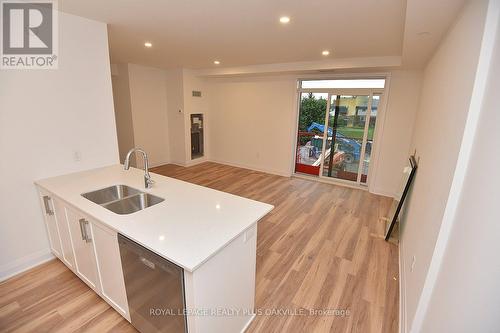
[(413, 165)]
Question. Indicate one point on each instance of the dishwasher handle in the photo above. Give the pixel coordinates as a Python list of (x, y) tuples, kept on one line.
[(146, 257), (163, 265)]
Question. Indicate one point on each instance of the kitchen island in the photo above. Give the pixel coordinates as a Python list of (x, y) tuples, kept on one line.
[(209, 235)]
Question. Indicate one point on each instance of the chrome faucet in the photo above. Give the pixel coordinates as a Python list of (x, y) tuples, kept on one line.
[(148, 181)]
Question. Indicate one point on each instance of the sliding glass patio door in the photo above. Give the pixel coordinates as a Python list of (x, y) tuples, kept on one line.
[(336, 133), (313, 107), (347, 137)]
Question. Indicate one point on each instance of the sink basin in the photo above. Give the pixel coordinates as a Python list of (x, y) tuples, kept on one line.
[(122, 199), (133, 204), (111, 193)]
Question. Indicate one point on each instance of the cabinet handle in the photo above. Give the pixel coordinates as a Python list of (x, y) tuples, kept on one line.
[(88, 239), (48, 210), (82, 229)]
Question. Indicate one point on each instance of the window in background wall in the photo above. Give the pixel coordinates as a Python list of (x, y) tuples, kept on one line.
[(343, 84), (310, 141), (336, 128)]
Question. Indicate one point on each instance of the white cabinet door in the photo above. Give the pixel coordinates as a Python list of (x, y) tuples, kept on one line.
[(51, 223), (81, 237), (109, 267), (63, 227)]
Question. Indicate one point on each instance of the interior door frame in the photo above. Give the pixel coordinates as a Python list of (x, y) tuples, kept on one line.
[(383, 92)]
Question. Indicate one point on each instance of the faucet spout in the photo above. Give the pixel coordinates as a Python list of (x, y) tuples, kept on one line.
[(148, 181)]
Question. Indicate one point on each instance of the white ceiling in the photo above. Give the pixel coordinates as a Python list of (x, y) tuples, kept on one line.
[(192, 34), (424, 16)]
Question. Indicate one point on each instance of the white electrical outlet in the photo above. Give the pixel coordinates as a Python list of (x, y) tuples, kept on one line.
[(77, 156)]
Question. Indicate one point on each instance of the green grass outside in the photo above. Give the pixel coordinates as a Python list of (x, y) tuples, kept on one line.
[(355, 132)]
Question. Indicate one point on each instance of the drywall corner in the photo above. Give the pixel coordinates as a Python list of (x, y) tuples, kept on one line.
[(176, 115)]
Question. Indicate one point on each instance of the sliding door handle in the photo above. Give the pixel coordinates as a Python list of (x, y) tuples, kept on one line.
[(46, 203)]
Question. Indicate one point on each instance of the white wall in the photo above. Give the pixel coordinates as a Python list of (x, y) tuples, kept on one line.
[(466, 296), (253, 124), (191, 82), (153, 108), (148, 100), (395, 139), (446, 93), (251, 121), (175, 109), (123, 109), (45, 117)]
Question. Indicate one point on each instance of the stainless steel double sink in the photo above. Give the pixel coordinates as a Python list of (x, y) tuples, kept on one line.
[(122, 199)]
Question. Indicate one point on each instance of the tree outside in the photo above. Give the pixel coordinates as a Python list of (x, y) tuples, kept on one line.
[(312, 109)]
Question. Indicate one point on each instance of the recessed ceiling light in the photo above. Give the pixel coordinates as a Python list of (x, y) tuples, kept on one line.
[(284, 19), (325, 52), (216, 62), (148, 44)]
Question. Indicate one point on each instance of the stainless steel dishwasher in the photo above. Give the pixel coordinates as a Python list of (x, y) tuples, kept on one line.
[(155, 289)]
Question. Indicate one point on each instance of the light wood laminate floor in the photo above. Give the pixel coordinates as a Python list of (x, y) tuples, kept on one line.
[(319, 250)]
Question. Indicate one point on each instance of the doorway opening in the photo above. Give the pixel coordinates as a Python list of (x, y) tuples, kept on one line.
[(336, 128)]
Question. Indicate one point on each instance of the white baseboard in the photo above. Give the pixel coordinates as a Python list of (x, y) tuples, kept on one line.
[(238, 165), (182, 164), (402, 288), (245, 166), (382, 192), (197, 161), (23, 264), (154, 165)]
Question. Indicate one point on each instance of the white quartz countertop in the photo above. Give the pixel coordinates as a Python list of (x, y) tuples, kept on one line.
[(187, 228)]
